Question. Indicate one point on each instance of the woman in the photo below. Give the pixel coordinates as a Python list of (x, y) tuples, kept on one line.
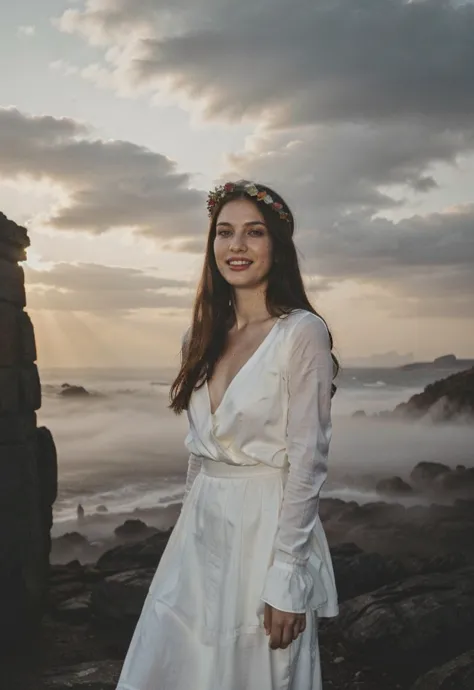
[(235, 601)]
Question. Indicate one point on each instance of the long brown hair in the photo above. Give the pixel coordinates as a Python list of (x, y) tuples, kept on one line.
[(213, 312)]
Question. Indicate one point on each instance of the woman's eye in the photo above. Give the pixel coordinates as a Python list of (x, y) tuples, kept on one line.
[(258, 232)]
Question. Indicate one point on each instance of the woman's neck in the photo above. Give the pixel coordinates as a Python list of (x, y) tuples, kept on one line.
[(250, 307)]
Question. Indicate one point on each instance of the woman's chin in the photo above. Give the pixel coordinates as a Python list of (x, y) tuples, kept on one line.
[(243, 281)]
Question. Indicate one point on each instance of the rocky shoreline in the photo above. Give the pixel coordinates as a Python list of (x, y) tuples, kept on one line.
[(450, 399), (405, 577)]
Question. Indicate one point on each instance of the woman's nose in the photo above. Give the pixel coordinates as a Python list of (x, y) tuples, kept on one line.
[(237, 243)]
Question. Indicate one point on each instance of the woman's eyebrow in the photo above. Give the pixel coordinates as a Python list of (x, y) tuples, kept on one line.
[(250, 222)]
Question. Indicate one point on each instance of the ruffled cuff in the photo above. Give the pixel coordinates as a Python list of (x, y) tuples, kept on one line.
[(288, 587)]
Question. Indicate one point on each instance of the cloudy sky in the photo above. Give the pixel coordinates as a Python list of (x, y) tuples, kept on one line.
[(117, 116)]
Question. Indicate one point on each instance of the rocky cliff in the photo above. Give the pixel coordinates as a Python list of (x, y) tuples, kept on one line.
[(445, 400), (28, 472)]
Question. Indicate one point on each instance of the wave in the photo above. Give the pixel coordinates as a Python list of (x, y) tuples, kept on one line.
[(128, 499)]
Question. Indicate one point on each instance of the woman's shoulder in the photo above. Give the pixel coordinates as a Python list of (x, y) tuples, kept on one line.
[(303, 325), (306, 318)]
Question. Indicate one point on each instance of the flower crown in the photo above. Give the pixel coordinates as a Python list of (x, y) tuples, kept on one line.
[(249, 188)]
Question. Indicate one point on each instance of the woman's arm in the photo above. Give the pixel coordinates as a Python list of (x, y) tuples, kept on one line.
[(288, 585)]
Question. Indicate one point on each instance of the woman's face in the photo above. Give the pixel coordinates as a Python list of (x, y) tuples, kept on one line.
[(242, 235)]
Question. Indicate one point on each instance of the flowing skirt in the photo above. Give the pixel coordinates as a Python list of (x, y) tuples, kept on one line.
[(201, 625)]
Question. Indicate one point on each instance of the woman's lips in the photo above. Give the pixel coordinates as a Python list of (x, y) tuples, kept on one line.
[(239, 267)]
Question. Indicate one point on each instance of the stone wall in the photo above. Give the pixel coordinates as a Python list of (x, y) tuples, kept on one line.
[(28, 464)]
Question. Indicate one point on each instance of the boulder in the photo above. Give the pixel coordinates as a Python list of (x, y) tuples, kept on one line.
[(393, 486), (357, 572), (93, 675), (404, 626), (132, 530), (72, 545), (424, 474), (76, 610), (73, 391), (143, 554), (117, 600), (457, 674), (459, 481)]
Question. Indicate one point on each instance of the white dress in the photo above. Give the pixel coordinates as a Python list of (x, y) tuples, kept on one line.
[(249, 530)]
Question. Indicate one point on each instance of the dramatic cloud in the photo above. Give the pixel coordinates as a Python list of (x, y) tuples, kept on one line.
[(344, 168), (106, 184), (295, 61), (338, 181), (357, 105), (95, 288)]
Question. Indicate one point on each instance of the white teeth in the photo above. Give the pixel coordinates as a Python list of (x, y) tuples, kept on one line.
[(240, 263)]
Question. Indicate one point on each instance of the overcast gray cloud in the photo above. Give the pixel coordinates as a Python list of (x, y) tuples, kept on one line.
[(296, 61), (423, 259), (109, 183), (354, 249), (336, 181), (96, 288), (352, 98), (343, 168)]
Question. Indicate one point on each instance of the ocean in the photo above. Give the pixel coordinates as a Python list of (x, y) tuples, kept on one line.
[(122, 450)]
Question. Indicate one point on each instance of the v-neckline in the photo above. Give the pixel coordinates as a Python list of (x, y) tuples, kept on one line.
[(244, 366)]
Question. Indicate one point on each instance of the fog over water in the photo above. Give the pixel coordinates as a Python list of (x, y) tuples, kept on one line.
[(124, 449)]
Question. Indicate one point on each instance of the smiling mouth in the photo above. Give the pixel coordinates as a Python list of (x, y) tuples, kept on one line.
[(239, 263)]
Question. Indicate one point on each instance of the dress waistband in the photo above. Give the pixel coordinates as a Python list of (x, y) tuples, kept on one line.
[(217, 468)]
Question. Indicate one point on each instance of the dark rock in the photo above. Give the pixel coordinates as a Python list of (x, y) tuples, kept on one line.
[(397, 531), (25, 486), (102, 509), (393, 486), (404, 626), (445, 400), (74, 391), (345, 550), (442, 563), (358, 572), (457, 674), (75, 610), (69, 571), (93, 675), (131, 530), (445, 361), (71, 545), (118, 599), (72, 539), (143, 554), (449, 361), (459, 481), (66, 591), (424, 474)]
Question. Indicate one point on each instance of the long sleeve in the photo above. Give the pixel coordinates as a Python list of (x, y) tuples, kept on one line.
[(289, 584)]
